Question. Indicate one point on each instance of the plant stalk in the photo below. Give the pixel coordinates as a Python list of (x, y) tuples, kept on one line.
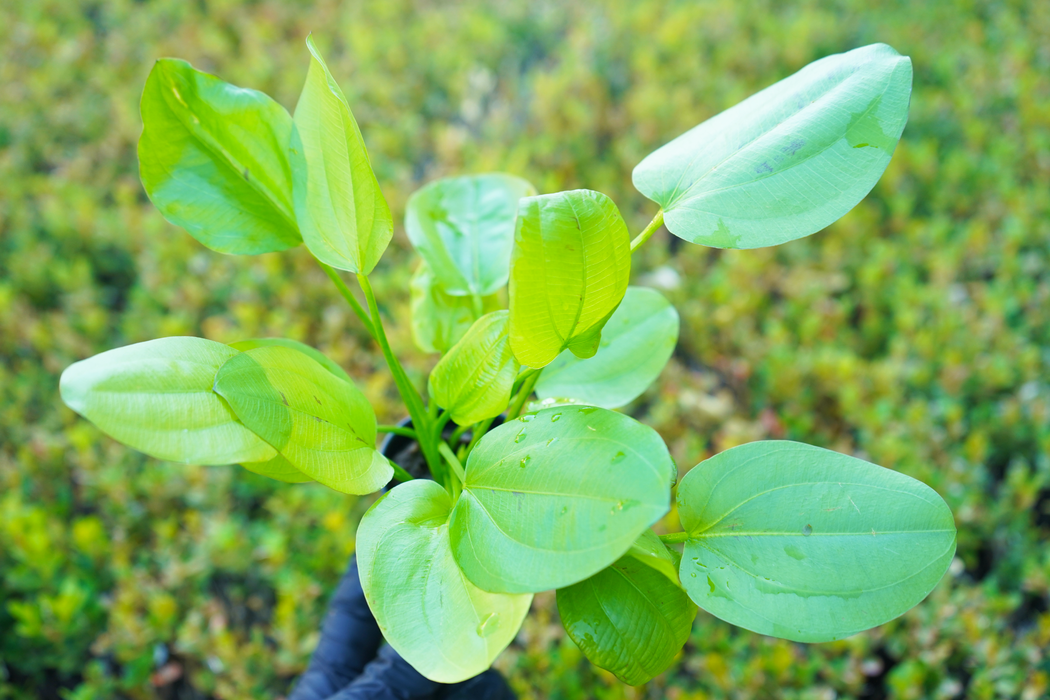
[(523, 394), (649, 230), (453, 461), (413, 401), (399, 472), (397, 430), (350, 298)]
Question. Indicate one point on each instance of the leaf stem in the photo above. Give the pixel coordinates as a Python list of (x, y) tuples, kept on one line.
[(479, 430), (399, 472), (453, 461), (350, 298), (457, 434), (649, 230), (440, 423), (523, 394), (675, 537), (413, 401), (397, 430)]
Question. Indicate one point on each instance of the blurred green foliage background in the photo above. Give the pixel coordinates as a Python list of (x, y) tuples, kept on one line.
[(914, 332)]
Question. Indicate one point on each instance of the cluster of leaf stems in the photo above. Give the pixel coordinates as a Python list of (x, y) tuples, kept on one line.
[(428, 422)]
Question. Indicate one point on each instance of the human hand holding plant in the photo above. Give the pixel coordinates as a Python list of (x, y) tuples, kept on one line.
[(781, 538)]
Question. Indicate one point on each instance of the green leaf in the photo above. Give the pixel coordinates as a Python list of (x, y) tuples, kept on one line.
[(569, 270), (213, 159), (649, 550), (628, 618), (446, 627), (636, 344), (157, 398), (277, 468), (343, 216), (787, 161), (439, 320), (331, 366), (322, 425), (556, 496), (473, 381), (806, 544), (464, 229)]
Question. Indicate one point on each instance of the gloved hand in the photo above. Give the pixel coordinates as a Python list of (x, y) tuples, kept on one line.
[(349, 664)]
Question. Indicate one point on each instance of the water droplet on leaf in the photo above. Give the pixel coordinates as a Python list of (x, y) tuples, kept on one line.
[(618, 457), (525, 460), (555, 417), (807, 530), (489, 625), (521, 436)]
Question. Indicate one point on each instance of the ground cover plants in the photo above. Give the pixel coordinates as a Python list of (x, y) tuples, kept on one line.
[(781, 538)]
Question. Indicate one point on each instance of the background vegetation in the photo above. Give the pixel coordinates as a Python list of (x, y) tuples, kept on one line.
[(915, 332)]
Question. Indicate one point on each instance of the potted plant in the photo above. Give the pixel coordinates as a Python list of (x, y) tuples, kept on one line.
[(778, 537)]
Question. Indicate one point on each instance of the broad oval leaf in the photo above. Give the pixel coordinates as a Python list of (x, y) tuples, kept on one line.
[(213, 159), (321, 424), (556, 496), (473, 381), (628, 618), (569, 270), (439, 320), (446, 627), (277, 468), (807, 544), (636, 344), (464, 228), (157, 398), (344, 219), (787, 161), (320, 357)]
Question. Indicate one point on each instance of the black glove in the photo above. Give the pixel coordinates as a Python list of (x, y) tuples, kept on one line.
[(349, 664)]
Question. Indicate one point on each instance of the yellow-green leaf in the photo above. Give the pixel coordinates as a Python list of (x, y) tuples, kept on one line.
[(474, 379), (569, 270), (321, 424), (213, 158), (344, 219)]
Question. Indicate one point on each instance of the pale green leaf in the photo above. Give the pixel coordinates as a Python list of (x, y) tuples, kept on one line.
[(344, 219), (321, 424), (787, 161), (277, 468), (556, 496), (569, 270), (474, 379), (321, 358), (213, 159), (628, 618), (464, 229), (807, 544), (636, 344), (446, 627), (439, 320), (157, 397)]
